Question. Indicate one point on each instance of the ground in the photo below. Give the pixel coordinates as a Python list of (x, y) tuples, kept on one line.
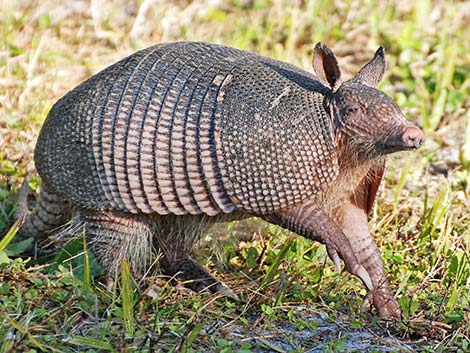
[(290, 297)]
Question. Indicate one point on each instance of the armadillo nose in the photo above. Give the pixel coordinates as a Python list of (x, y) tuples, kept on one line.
[(412, 137)]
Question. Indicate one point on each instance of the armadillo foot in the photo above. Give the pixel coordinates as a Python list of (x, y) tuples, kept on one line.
[(386, 305), (224, 290), (195, 276)]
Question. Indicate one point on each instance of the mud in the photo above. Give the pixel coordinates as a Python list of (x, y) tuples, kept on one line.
[(322, 335)]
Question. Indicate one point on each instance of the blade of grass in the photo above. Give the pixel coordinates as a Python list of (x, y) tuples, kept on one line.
[(453, 300), (448, 58), (10, 234), (26, 332), (127, 301), (92, 343), (466, 145), (444, 239), (435, 216), (192, 336), (86, 265), (274, 267)]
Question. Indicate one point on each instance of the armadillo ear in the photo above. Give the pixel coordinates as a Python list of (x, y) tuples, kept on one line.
[(372, 72), (326, 66)]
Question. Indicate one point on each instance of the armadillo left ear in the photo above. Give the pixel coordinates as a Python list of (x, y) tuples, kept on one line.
[(372, 72), (326, 66)]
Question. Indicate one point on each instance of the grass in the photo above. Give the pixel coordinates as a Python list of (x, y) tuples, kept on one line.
[(285, 283)]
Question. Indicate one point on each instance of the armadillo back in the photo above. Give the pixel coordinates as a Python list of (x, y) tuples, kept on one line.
[(189, 128)]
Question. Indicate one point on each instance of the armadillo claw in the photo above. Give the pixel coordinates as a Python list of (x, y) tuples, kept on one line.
[(364, 276), (224, 290), (351, 263), (367, 302), (333, 254)]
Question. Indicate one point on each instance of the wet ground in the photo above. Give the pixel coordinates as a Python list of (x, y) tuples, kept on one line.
[(323, 335)]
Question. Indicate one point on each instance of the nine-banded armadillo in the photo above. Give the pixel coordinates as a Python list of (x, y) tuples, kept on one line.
[(155, 148)]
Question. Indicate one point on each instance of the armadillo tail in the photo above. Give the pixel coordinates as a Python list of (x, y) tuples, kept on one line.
[(50, 212)]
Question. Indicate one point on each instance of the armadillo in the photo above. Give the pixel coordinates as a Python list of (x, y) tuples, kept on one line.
[(151, 151)]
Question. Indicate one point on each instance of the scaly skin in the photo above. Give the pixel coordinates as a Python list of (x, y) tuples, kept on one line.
[(51, 211), (198, 130)]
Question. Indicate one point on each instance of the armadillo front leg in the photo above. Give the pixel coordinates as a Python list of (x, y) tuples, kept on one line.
[(312, 222), (353, 221), (352, 218)]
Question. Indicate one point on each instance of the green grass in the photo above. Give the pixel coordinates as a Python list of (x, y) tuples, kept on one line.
[(421, 221)]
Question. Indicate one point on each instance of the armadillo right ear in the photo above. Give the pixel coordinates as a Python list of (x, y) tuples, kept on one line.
[(326, 66), (373, 72)]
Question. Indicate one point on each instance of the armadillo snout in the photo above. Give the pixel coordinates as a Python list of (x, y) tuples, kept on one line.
[(412, 137), (405, 137)]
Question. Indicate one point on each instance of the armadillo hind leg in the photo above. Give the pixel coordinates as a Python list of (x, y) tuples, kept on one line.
[(175, 237), (352, 219), (312, 222), (114, 237), (50, 212), (194, 276)]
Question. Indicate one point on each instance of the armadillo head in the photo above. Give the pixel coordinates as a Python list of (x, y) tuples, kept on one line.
[(366, 121)]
